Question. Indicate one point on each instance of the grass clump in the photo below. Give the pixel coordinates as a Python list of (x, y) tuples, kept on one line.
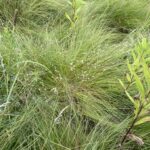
[(60, 62), (31, 14), (123, 16)]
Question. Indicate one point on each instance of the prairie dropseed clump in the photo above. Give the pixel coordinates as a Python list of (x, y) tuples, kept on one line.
[(60, 61)]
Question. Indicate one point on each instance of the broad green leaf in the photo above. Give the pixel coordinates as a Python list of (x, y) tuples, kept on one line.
[(139, 50), (139, 85), (142, 47), (144, 43), (146, 74), (136, 60), (143, 113), (122, 84), (147, 60), (129, 67), (143, 120), (68, 17), (134, 55), (69, 2), (131, 99), (137, 106), (147, 106), (128, 77), (79, 3), (136, 64)]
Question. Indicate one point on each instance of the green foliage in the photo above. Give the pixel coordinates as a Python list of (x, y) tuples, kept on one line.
[(31, 14), (60, 61), (139, 78), (123, 16), (76, 6)]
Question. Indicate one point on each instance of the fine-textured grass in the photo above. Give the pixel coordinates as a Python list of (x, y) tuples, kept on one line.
[(124, 16), (32, 14), (59, 86)]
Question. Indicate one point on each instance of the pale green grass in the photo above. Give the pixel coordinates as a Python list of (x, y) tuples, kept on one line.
[(59, 86)]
